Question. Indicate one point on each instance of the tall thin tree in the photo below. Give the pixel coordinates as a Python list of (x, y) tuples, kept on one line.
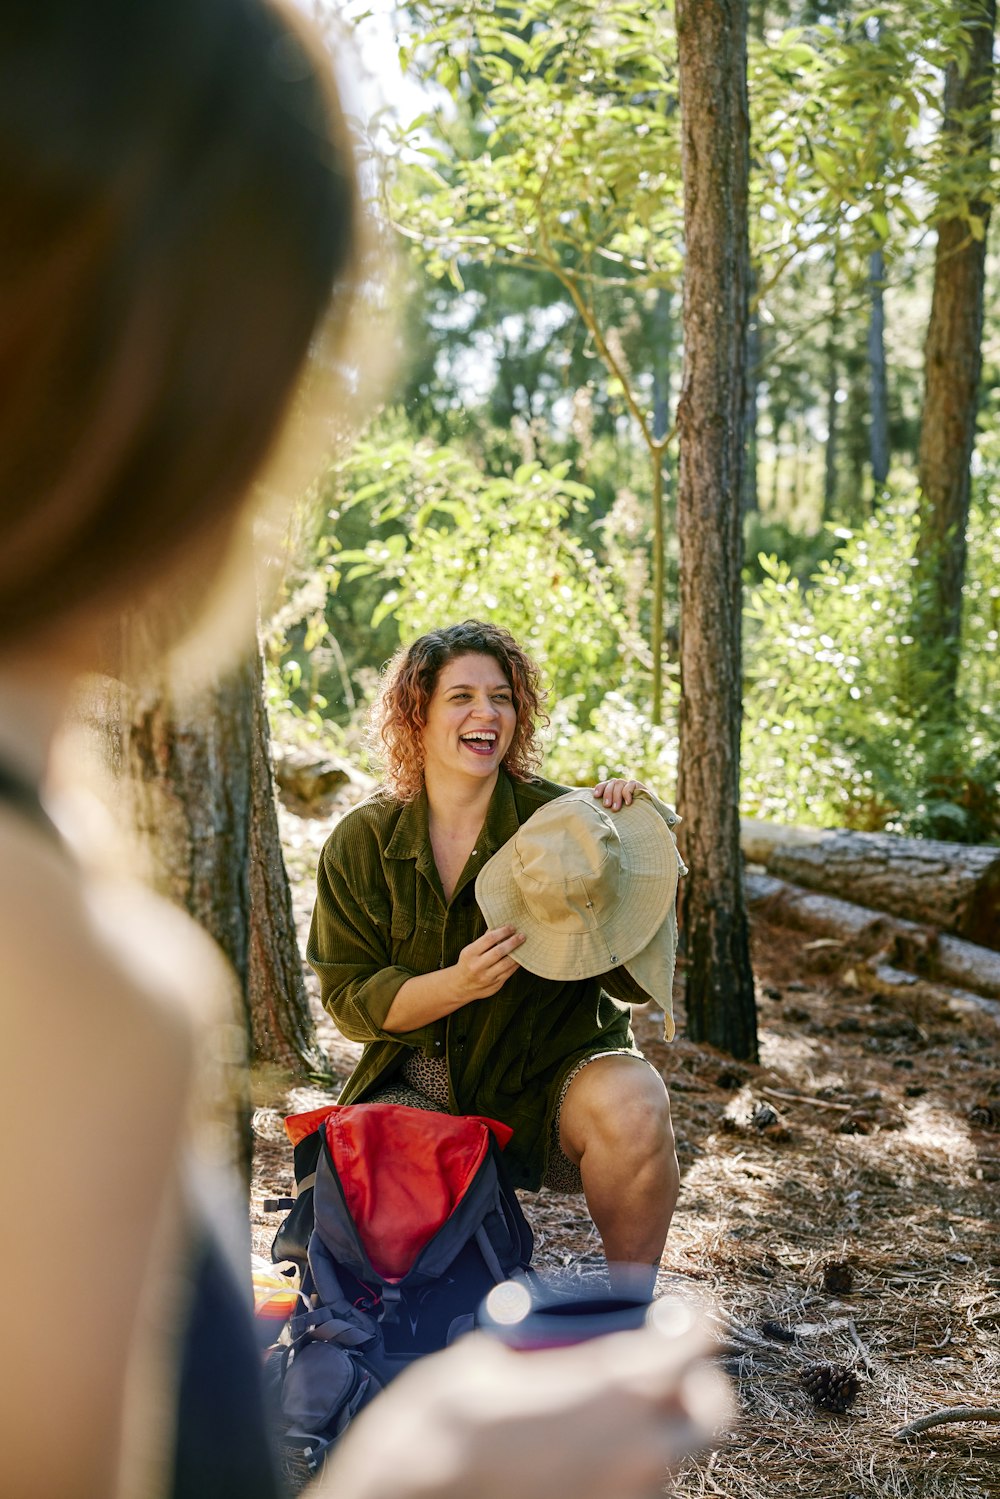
[(878, 434), (712, 39), (832, 396), (953, 352)]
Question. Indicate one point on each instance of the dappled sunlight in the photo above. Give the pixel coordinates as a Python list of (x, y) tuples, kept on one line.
[(795, 1056), (935, 1130)]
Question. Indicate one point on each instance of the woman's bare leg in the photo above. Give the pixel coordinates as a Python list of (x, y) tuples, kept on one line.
[(615, 1124)]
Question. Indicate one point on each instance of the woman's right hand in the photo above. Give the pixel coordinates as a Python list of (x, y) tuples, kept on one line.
[(485, 965), (605, 1419)]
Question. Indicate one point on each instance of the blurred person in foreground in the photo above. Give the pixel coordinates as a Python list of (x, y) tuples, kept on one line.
[(180, 214)]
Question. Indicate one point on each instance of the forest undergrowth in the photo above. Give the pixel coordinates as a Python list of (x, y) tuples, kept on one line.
[(838, 1206)]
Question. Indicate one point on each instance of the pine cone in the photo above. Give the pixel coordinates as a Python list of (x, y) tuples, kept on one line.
[(833, 1387), (763, 1117), (838, 1277), (984, 1115)]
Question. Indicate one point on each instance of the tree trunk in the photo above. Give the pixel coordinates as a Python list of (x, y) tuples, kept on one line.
[(755, 353), (953, 358), (952, 886), (663, 348), (879, 396), (778, 415), (715, 145), (832, 404), (878, 404), (280, 1023), (197, 790)]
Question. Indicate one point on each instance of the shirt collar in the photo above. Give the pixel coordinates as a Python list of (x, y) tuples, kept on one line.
[(502, 821), (411, 837)]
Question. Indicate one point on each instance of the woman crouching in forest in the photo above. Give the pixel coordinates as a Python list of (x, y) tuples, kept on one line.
[(449, 1016)]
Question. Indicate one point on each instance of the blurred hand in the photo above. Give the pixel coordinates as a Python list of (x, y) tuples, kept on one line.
[(605, 1419)]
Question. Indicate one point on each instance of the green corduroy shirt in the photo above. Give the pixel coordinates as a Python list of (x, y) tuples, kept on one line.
[(381, 917)]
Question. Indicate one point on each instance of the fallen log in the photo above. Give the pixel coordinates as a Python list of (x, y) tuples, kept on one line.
[(970, 966), (952, 886), (310, 781), (894, 939), (882, 978)]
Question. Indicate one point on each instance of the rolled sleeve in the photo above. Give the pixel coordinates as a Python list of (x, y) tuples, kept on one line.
[(348, 949)]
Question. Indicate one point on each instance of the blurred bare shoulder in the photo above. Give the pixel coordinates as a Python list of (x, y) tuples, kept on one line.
[(100, 1035)]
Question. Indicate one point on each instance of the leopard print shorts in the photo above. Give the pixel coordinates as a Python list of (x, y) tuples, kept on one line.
[(424, 1085)]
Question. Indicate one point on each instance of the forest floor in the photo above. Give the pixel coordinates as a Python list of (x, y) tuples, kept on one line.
[(867, 1137)]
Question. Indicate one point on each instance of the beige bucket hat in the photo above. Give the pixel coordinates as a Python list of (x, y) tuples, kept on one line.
[(591, 890)]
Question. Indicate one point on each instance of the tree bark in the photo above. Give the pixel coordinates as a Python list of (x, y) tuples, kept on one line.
[(712, 36), (879, 385), (954, 887), (832, 405), (953, 358), (197, 792), (663, 348), (755, 355), (279, 1021)]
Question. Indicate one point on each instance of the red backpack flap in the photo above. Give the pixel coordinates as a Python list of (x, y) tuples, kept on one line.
[(298, 1126), (403, 1173)]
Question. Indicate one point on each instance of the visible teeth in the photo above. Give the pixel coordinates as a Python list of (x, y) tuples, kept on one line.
[(486, 737)]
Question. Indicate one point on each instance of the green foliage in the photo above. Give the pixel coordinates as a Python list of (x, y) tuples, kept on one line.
[(837, 726), (578, 164), (456, 542), (542, 205), (618, 737), (801, 551)]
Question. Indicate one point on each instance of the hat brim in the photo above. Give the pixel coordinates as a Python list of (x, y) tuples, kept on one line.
[(645, 898)]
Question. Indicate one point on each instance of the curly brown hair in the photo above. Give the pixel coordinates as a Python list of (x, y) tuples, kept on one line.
[(399, 713)]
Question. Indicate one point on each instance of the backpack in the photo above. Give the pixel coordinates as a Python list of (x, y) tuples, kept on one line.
[(404, 1220)]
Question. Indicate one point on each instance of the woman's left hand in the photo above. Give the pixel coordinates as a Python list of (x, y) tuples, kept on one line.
[(617, 792)]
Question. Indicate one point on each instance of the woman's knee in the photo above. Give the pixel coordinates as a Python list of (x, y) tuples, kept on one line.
[(644, 1124), (625, 1108)]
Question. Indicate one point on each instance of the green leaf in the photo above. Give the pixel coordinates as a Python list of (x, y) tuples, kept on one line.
[(881, 224), (386, 606)]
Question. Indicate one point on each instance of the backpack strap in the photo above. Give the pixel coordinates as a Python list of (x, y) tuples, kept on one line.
[(489, 1254), (333, 1318), (329, 1325)]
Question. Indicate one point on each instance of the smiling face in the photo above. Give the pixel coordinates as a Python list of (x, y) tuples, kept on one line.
[(470, 721)]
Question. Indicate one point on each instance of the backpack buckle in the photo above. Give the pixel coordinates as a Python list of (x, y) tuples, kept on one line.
[(392, 1297)]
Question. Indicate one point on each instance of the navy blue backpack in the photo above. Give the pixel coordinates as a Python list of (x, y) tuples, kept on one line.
[(404, 1220)]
